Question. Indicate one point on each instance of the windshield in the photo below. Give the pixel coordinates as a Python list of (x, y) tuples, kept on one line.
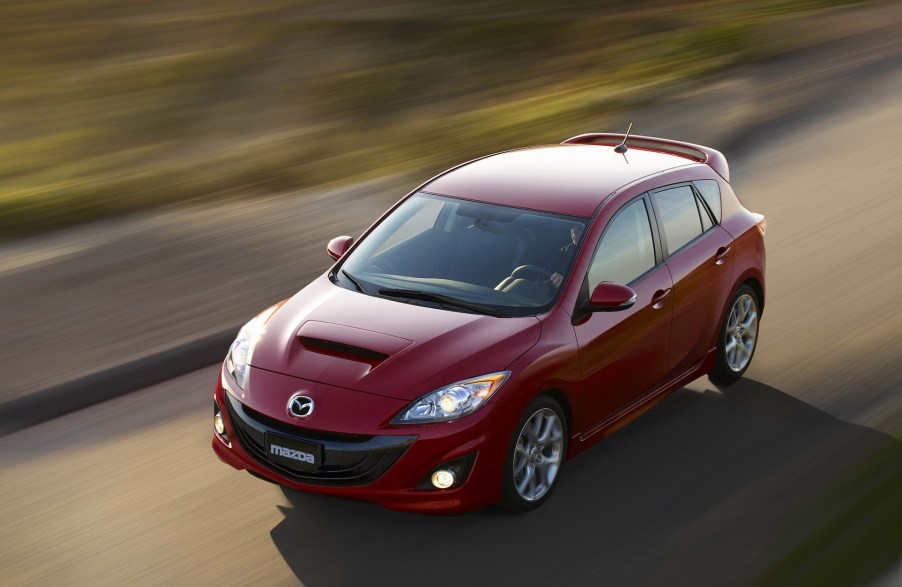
[(492, 259)]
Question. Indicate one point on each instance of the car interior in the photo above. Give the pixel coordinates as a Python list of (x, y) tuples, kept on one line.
[(490, 247)]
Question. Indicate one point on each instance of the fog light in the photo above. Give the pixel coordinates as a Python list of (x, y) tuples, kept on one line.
[(443, 478), (218, 424)]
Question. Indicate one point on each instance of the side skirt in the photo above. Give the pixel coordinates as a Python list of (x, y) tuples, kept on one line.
[(581, 441)]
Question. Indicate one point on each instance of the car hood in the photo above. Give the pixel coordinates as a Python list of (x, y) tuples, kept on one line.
[(332, 335)]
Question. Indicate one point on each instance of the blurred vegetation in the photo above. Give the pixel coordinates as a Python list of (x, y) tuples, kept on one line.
[(854, 527), (109, 106)]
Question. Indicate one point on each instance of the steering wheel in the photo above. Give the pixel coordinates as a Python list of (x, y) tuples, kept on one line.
[(531, 272)]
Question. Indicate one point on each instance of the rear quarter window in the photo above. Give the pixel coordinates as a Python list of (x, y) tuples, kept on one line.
[(710, 192)]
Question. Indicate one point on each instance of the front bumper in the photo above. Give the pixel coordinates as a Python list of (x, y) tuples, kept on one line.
[(384, 464)]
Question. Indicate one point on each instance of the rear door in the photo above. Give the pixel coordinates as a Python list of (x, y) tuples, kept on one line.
[(699, 255)]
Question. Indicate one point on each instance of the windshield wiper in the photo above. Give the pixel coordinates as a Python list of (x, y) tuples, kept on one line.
[(353, 280), (413, 294)]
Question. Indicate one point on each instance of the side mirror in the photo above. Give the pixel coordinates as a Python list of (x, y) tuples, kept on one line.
[(338, 246), (608, 296)]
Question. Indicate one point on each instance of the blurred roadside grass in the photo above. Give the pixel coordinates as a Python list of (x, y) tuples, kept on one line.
[(854, 527), (108, 107)]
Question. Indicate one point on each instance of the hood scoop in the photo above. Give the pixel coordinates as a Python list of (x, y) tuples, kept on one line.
[(341, 350), (349, 343)]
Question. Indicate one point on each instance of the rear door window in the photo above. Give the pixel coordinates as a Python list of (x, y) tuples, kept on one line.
[(680, 216)]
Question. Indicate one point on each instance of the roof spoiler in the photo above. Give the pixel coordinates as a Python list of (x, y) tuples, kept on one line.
[(714, 159)]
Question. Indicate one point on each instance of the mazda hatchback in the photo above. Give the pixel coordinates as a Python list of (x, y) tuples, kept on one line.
[(497, 321)]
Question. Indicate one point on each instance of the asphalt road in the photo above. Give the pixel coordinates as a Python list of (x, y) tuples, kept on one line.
[(710, 488)]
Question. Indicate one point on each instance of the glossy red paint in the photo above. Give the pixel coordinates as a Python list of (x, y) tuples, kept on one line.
[(485, 432), (427, 347), (338, 246), (363, 359), (565, 179), (711, 157), (702, 284), (623, 354), (611, 296)]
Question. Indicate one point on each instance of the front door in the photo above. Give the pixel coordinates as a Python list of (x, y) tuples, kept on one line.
[(623, 354)]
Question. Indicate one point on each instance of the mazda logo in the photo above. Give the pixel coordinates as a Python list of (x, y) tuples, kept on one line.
[(300, 406)]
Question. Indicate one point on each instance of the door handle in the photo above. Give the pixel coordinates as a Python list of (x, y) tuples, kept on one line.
[(657, 300), (720, 256)]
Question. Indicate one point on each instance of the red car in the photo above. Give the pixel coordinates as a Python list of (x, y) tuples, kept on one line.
[(496, 322)]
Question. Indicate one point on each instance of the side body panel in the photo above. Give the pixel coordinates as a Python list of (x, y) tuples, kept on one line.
[(702, 284), (750, 258), (624, 353), (586, 433)]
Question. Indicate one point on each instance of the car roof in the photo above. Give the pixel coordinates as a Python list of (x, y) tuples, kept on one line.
[(570, 179)]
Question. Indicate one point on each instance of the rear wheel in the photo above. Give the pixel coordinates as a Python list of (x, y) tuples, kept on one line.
[(534, 456), (738, 337)]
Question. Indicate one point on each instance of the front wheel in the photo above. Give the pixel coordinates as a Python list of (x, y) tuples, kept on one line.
[(738, 337), (535, 455)]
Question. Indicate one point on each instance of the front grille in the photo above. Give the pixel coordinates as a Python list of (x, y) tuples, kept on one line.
[(297, 431), (348, 459)]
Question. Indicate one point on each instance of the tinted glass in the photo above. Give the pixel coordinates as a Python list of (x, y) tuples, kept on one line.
[(626, 250), (710, 191), (422, 219), (679, 214), (507, 258), (704, 215)]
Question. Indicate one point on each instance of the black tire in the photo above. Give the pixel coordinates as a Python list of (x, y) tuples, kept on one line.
[(728, 369), (511, 498)]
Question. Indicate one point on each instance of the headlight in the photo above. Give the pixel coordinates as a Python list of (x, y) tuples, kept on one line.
[(240, 352), (452, 401), (236, 360)]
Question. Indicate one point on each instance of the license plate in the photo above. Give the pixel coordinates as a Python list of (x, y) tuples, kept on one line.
[(296, 454)]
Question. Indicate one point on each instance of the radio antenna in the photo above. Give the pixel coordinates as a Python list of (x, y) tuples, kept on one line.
[(622, 148)]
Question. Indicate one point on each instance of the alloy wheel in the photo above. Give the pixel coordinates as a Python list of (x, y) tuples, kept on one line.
[(538, 454), (741, 333)]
